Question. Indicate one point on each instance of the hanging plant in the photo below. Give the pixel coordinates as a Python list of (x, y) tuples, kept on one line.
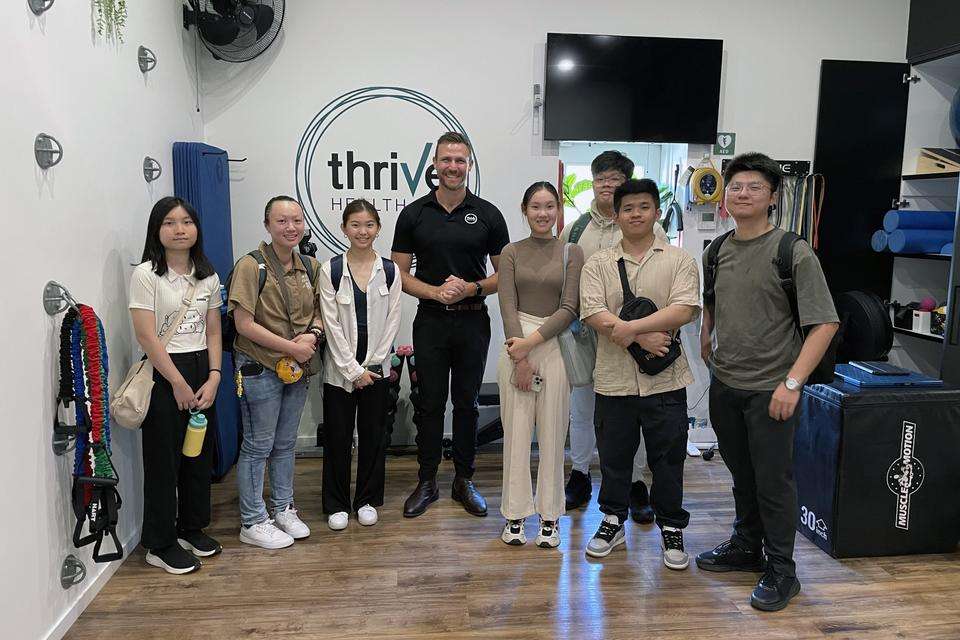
[(111, 18)]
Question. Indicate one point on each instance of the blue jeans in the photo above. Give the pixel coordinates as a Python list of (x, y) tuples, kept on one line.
[(271, 412)]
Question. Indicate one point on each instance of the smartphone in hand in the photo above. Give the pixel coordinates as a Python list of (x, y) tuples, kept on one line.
[(536, 384)]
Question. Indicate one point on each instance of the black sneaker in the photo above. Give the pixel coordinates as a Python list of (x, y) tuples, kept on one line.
[(730, 557), (774, 591), (640, 510), (578, 490), (173, 559), (199, 544)]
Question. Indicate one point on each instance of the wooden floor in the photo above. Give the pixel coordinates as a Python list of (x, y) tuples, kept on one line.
[(447, 575)]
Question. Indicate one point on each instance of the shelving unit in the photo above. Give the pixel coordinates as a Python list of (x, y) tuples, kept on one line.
[(932, 337), (916, 276), (946, 175)]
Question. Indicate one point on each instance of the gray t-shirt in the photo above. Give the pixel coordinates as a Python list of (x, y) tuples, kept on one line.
[(756, 341)]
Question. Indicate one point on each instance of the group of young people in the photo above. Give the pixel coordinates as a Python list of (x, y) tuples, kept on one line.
[(287, 307)]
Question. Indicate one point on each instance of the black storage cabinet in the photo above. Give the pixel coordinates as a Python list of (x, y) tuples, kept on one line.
[(877, 469)]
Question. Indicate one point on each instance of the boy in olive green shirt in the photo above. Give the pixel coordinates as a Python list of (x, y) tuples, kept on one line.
[(759, 366)]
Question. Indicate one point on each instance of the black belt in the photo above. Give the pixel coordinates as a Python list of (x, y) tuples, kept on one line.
[(467, 306)]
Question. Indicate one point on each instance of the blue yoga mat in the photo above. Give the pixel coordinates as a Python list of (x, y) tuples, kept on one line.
[(878, 241), (918, 240), (897, 219)]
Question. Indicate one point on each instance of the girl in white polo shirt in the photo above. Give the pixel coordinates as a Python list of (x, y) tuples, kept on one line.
[(176, 489), (360, 298)]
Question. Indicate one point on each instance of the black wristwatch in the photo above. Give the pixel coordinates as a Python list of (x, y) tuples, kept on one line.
[(479, 289)]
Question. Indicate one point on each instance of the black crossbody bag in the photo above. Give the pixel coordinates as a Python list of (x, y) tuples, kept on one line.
[(635, 308)]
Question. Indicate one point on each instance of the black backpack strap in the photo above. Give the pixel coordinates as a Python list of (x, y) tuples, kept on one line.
[(784, 264), (710, 269), (389, 270), (308, 267), (336, 271), (624, 282), (257, 255), (579, 225)]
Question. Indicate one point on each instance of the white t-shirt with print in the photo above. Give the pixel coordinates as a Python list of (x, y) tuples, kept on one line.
[(164, 296)]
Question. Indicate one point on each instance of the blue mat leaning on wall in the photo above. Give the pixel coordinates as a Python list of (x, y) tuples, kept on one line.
[(201, 176)]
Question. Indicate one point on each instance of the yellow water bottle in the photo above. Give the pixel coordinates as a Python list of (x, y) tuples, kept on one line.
[(196, 430)]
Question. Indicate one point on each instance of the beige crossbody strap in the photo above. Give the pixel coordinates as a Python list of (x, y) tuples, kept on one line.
[(184, 307)]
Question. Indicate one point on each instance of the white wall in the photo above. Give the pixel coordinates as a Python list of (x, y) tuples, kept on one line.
[(81, 223), (481, 60)]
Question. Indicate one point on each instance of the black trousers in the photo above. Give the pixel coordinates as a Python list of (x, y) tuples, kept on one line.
[(176, 489), (367, 408), (758, 450), (450, 348), (662, 419)]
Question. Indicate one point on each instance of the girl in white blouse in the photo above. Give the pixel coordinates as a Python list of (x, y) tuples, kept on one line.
[(176, 489), (360, 298)]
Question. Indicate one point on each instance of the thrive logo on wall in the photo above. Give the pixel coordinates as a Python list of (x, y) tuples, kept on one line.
[(905, 475), (375, 143)]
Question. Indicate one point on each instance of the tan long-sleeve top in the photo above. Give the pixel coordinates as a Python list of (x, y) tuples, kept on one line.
[(532, 281)]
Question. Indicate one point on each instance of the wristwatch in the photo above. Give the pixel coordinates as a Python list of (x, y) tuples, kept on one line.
[(479, 289), (792, 384)]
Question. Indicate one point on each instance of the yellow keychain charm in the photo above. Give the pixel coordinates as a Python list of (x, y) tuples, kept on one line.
[(289, 370)]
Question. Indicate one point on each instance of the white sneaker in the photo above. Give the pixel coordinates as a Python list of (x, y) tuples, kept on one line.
[(289, 521), (367, 515), (513, 533), (549, 536), (674, 556), (265, 534), (338, 521), (608, 536)]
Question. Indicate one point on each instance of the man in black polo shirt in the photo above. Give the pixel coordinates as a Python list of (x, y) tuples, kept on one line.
[(451, 232)]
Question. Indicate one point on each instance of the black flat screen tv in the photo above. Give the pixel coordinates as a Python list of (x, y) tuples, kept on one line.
[(631, 89)]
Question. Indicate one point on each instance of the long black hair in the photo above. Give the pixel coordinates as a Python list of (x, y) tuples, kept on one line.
[(153, 250)]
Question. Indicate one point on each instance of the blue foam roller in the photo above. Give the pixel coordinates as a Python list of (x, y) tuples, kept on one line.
[(897, 219), (947, 249), (918, 240), (878, 241)]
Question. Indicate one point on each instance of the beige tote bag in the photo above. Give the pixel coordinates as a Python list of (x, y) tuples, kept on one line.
[(130, 403)]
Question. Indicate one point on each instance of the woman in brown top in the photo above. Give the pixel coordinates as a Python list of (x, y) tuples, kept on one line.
[(538, 299)]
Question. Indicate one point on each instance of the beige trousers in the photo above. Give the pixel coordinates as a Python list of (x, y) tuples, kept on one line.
[(520, 411)]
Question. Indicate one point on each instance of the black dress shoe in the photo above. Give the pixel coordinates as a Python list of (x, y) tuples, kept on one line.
[(730, 557), (466, 494), (640, 509), (578, 490), (774, 591), (425, 493)]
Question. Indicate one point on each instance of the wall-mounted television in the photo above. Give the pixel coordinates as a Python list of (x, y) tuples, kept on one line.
[(631, 89)]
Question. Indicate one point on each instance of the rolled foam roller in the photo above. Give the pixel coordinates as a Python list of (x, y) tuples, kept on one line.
[(878, 241), (896, 219), (918, 240)]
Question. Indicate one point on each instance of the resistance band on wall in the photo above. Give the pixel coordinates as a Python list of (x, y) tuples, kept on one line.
[(83, 381)]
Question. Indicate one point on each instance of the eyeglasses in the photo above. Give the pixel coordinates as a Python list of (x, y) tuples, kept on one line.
[(754, 188), (614, 181)]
